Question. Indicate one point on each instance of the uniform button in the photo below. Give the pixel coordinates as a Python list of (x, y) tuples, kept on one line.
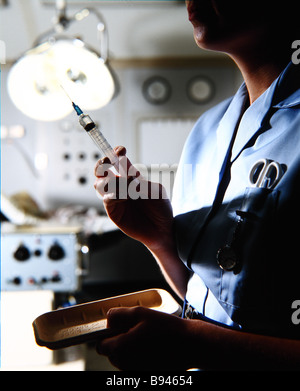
[(227, 258)]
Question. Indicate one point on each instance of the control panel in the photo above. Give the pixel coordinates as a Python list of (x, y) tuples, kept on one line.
[(35, 258)]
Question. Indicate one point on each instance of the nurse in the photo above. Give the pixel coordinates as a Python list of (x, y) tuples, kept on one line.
[(228, 244)]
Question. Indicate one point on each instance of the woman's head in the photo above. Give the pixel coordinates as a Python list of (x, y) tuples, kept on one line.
[(235, 25)]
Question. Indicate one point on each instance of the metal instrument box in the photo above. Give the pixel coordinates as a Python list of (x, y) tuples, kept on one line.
[(38, 257)]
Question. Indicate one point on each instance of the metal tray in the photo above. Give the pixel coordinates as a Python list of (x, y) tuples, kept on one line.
[(86, 322)]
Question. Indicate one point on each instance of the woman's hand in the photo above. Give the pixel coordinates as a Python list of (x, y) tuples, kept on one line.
[(140, 208), (146, 340)]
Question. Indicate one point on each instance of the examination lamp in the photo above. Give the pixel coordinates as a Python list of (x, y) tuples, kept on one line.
[(35, 81)]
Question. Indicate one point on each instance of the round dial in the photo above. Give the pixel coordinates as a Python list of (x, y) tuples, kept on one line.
[(156, 90), (200, 89)]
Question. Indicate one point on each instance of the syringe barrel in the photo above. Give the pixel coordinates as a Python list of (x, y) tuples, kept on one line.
[(103, 145), (96, 135)]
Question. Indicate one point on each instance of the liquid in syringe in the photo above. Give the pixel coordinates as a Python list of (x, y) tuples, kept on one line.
[(96, 135)]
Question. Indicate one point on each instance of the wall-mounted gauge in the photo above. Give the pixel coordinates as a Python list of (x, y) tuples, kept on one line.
[(156, 90), (200, 89)]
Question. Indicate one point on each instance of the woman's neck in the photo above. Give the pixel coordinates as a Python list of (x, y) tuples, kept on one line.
[(261, 70)]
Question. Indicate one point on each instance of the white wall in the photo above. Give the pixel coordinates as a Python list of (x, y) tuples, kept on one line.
[(136, 29)]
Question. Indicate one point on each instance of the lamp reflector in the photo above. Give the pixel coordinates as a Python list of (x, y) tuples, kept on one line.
[(35, 80)]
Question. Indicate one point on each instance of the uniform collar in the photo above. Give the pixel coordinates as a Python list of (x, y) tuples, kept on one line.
[(283, 93), (227, 126), (288, 85)]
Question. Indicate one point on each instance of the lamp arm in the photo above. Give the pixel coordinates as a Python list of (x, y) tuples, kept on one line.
[(102, 34), (62, 23)]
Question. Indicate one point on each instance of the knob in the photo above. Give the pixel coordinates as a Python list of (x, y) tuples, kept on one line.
[(16, 281), (56, 278), (56, 252), (22, 253)]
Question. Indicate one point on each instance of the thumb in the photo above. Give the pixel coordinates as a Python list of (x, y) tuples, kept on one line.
[(123, 318)]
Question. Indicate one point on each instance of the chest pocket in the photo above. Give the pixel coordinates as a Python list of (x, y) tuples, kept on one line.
[(246, 293)]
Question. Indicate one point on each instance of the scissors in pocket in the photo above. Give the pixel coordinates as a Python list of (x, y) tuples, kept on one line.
[(265, 173)]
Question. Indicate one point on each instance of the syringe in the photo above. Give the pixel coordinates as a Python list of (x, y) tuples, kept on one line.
[(96, 135)]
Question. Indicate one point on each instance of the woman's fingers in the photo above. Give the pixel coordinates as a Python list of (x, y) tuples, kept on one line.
[(116, 185), (126, 168)]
